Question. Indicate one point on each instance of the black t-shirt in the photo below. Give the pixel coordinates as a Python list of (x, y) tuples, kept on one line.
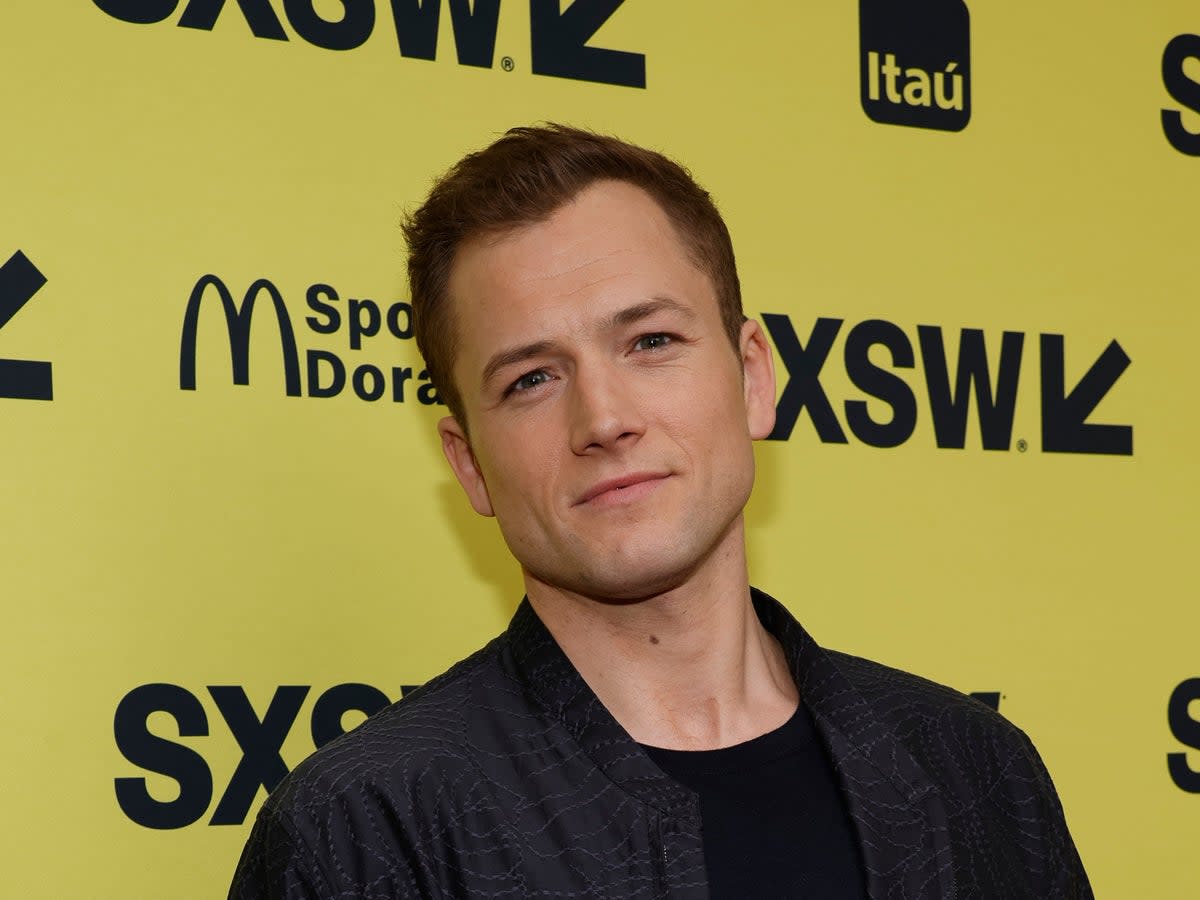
[(774, 819)]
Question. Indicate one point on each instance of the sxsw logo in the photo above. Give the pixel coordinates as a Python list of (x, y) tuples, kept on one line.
[(1185, 727), (915, 62), (22, 379), (1184, 90), (259, 736), (990, 377), (558, 38), (325, 372)]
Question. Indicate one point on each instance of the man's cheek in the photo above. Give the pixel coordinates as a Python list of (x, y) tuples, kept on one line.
[(517, 499)]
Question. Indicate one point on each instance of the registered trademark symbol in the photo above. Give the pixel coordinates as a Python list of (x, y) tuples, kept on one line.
[(507, 64), (1022, 446)]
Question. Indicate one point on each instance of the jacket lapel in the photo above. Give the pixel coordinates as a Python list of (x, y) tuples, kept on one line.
[(896, 808)]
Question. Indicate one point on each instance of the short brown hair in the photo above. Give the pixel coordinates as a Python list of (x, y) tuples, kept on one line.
[(523, 178)]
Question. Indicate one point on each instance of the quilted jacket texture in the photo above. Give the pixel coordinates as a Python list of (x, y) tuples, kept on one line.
[(506, 778)]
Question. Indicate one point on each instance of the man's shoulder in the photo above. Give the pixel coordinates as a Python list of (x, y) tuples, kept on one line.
[(927, 714), (969, 748), (352, 813), (432, 733), (1002, 811), (906, 701)]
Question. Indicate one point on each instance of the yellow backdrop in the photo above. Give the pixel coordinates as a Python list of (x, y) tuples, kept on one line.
[(183, 554)]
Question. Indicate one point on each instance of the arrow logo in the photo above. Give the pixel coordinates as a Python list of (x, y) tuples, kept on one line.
[(21, 379), (558, 44), (1065, 428)]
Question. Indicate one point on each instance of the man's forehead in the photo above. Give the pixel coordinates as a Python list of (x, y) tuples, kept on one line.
[(604, 213), (605, 230)]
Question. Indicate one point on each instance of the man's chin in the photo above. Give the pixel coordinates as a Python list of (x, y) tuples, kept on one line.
[(621, 580)]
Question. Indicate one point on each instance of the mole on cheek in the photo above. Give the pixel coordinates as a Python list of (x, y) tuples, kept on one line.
[(653, 639)]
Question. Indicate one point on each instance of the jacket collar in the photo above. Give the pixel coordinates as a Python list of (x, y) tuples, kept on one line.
[(896, 807), (558, 688)]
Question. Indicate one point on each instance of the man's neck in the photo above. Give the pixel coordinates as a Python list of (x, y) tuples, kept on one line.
[(690, 669)]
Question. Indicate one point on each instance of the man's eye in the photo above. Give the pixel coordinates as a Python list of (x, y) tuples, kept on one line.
[(655, 341), (528, 380)]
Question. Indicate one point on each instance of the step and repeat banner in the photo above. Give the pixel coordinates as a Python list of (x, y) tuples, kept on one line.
[(970, 230)]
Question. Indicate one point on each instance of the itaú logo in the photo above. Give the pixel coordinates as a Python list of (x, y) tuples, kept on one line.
[(326, 372), (915, 62)]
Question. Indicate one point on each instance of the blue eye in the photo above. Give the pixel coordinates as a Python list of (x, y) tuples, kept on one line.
[(529, 380), (653, 341)]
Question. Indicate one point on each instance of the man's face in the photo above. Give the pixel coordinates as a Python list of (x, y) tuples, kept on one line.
[(610, 418)]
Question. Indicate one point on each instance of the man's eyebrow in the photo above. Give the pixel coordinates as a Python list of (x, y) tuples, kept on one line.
[(639, 311), (512, 356)]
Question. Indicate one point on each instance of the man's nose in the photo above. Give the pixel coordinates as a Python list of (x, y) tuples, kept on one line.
[(604, 411)]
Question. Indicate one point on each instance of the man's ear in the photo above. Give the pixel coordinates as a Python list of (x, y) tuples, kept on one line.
[(462, 460), (758, 380)]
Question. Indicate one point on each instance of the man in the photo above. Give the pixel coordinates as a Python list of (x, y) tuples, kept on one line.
[(649, 725)]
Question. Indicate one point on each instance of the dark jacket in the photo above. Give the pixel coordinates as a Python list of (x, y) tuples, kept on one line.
[(506, 778)]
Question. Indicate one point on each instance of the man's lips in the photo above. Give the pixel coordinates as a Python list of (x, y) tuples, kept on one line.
[(618, 488)]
